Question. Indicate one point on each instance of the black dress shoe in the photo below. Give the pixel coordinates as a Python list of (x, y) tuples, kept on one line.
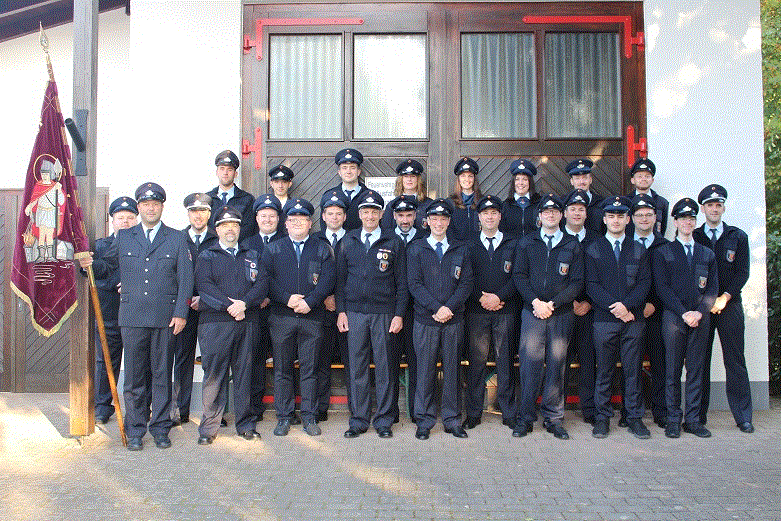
[(746, 427), (638, 429), (135, 444), (697, 429), (422, 434), (322, 416), (162, 441), (556, 429), (601, 429), (385, 432), (223, 422), (661, 422), (589, 419), (250, 435), (521, 429), (312, 428), (180, 421), (510, 422), (353, 432), (295, 420), (622, 422), (457, 431), (205, 440), (471, 422), (673, 430), (102, 419), (282, 428)]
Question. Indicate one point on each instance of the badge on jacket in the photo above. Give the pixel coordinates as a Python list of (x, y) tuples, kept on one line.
[(315, 276), (457, 272), (383, 265), (563, 268), (730, 255), (508, 266), (703, 282)]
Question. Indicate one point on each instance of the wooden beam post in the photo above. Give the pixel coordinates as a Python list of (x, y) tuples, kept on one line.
[(85, 90)]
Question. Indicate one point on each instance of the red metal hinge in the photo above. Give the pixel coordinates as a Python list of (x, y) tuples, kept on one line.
[(631, 147), (247, 148), (629, 39), (260, 22)]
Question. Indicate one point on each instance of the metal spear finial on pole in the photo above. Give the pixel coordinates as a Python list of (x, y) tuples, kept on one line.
[(45, 45)]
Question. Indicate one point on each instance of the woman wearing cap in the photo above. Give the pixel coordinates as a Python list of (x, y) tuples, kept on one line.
[(519, 213), (410, 182), (466, 194)]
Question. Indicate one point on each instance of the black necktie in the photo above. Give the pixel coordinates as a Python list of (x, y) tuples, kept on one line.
[(149, 235), (224, 197), (232, 251), (549, 238), (349, 194), (265, 239), (617, 249), (490, 246), (405, 237), (197, 241), (334, 240), (440, 253), (713, 238), (367, 243), (298, 250), (689, 253), (642, 241)]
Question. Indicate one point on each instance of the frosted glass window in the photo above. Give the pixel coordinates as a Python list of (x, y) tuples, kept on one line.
[(498, 86), (390, 99), (583, 85), (305, 87)]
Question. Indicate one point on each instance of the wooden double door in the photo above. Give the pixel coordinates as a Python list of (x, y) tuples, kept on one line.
[(437, 81)]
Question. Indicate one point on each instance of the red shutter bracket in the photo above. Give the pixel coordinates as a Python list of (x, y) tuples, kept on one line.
[(257, 148), (631, 147)]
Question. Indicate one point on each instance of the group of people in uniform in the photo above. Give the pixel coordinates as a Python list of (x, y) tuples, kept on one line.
[(426, 282)]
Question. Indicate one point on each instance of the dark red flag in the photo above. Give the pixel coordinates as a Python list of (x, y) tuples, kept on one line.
[(50, 228)]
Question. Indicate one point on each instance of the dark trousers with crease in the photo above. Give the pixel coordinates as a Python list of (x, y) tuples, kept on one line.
[(402, 342), (431, 341), (542, 355), (368, 338), (487, 330), (103, 398), (227, 347), (684, 344), (295, 337), (260, 352), (184, 365), (731, 326), (149, 353), (654, 347), (582, 347), (611, 341)]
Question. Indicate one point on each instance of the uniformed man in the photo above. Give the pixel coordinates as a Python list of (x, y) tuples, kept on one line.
[(348, 166), (280, 179), (618, 278), (644, 217), (405, 209), (439, 276), (300, 271), (582, 341), (333, 210), (156, 274), (226, 193), (199, 237), (580, 177), (371, 297), (490, 314), (124, 214), (267, 216), (686, 280), (730, 244), (642, 177), (227, 281), (548, 274)]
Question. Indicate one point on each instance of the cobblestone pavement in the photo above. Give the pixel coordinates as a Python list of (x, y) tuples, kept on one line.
[(46, 475)]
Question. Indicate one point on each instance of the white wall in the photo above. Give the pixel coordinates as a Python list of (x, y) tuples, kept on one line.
[(704, 92)]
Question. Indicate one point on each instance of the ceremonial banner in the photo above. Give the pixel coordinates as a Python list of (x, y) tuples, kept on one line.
[(50, 226)]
